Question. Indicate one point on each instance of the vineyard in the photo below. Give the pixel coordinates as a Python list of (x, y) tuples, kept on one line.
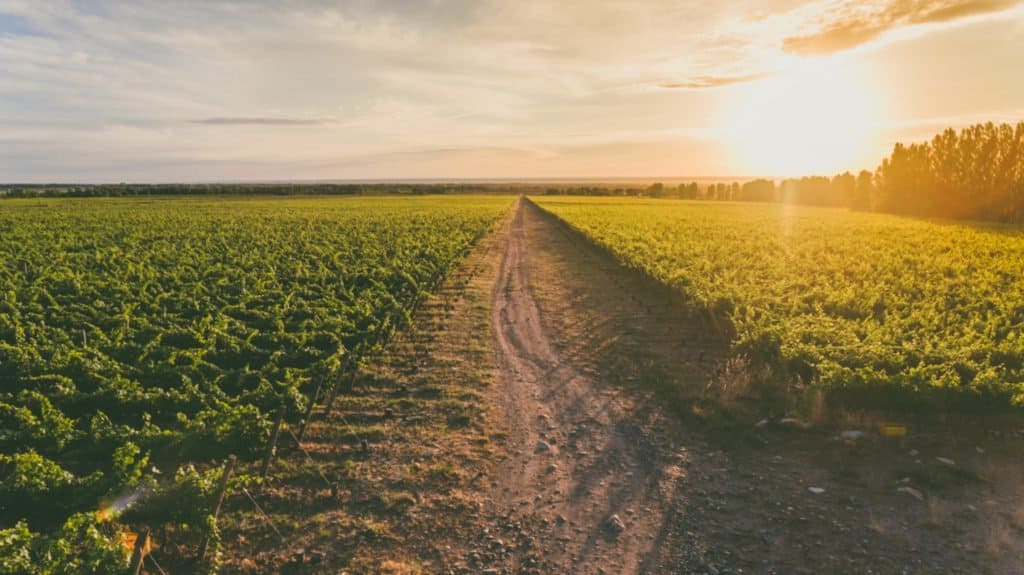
[(143, 339), (881, 311)]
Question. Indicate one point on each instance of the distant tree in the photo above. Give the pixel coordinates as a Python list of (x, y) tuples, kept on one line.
[(692, 191), (844, 190), (757, 191), (977, 173), (864, 190), (721, 192)]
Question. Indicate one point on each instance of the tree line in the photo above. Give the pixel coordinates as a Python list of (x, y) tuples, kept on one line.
[(975, 173), (267, 189)]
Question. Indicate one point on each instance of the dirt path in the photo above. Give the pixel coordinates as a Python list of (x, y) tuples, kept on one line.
[(580, 346), (579, 473), (546, 389)]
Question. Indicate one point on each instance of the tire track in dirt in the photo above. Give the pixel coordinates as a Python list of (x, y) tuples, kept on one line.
[(580, 476), (598, 361)]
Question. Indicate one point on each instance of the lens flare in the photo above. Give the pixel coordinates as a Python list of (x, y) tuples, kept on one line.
[(118, 506)]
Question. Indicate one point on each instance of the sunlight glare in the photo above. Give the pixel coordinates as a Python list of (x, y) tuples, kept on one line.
[(815, 117)]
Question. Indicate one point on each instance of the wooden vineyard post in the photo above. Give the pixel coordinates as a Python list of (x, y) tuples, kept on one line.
[(272, 446), (139, 553), (329, 404), (309, 410), (351, 363), (333, 393), (222, 488)]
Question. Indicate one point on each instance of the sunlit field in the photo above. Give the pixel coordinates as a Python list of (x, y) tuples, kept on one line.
[(138, 335), (844, 300), (527, 287)]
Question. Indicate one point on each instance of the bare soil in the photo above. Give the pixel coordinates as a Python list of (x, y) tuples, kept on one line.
[(586, 353), (546, 417)]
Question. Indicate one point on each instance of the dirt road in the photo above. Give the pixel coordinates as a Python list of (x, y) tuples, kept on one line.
[(601, 477), (580, 475), (539, 419)]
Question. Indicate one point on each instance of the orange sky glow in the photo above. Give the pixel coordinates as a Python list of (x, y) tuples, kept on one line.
[(92, 91)]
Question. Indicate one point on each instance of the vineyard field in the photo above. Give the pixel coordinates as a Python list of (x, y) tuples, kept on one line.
[(903, 312), (137, 335)]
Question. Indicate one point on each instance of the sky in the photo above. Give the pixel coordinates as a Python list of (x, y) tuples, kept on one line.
[(191, 91)]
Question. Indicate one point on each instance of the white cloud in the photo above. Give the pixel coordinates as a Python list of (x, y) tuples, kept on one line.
[(98, 90)]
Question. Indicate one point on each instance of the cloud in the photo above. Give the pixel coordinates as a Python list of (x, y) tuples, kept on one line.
[(702, 82), (856, 24), (256, 121), (925, 128), (145, 89)]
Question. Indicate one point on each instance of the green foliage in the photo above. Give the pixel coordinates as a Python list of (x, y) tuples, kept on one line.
[(160, 330), (224, 429), (32, 475), (129, 464), (33, 421), (839, 299), (80, 545), (16, 550), (186, 501)]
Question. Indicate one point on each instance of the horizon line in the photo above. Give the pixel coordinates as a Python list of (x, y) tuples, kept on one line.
[(429, 181)]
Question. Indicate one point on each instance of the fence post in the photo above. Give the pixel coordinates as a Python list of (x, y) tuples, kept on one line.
[(272, 446), (351, 363), (309, 410), (222, 489), (139, 552), (329, 404)]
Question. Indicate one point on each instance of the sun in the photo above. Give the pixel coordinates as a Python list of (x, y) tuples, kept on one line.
[(814, 117)]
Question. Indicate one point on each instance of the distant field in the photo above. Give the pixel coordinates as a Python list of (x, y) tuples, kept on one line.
[(849, 301), (142, 332)]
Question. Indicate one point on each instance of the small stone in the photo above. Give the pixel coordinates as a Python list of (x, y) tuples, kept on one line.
[(794, 423), (615, 524), (851, 435), (945, 460), (542, 447), (551, 468), (816, 490), (911, 492)]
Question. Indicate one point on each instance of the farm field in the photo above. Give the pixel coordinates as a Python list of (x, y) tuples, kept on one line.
[(566, 457), (519, 415), (139, 335), (883, 311)]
